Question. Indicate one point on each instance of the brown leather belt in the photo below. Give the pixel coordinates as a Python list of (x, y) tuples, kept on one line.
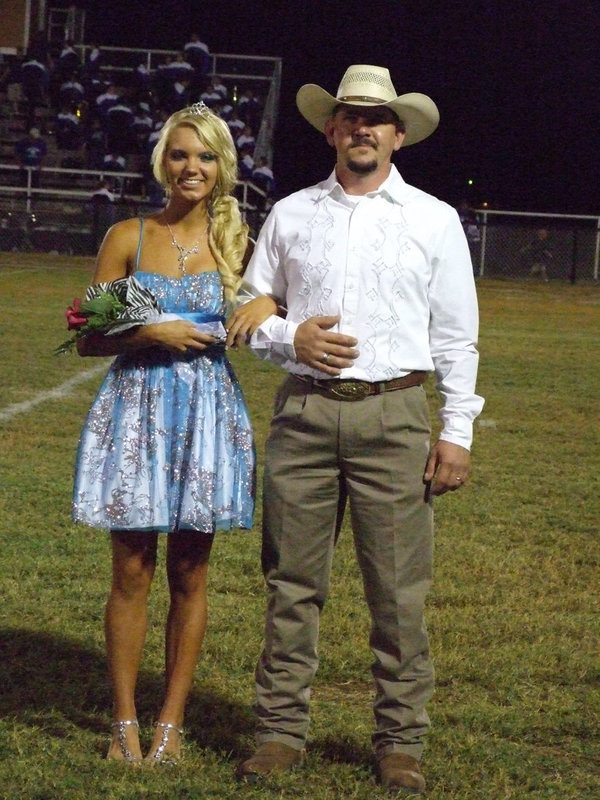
[(342, 389)]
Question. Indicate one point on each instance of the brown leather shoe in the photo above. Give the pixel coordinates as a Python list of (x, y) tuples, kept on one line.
[(268, 757), (401, 773)]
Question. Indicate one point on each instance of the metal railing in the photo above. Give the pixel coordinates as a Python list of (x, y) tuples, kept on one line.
[(225, 65), (57, 215), (60, 215)]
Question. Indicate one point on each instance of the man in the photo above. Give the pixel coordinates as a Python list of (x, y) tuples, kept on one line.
[(468, 219), (538, 255), (31, 152), (35, 82), (197, 52), (262, 176), (68, 60), (378, 286), (107, 99)]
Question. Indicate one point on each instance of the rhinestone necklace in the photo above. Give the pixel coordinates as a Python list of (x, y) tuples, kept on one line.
[(183, 252)]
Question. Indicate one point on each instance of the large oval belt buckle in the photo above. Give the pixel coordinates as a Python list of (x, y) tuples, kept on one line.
[(351, 390)]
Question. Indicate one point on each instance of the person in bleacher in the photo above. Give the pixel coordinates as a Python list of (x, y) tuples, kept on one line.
[(161, 82), (262, 176), (94, 86), (71, 92), (197, 53), (250, 108), (142, 127), (93, 61), (246, 139), (35, 81), (67, 129), (114, 161), (31, 151), (219, 87), (107, 99), (11, 81), (210, 95), (246, 162), (223, 109), (39, 49), (178, 69), (118, 122), (236, 125), (141, 84), (69, 61), (179, 97), (94, 144)]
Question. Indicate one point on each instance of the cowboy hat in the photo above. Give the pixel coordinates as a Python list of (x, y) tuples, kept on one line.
[(366, 85)]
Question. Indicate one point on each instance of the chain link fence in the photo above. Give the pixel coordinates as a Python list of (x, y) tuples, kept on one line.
[(542, 246), (510, 245)]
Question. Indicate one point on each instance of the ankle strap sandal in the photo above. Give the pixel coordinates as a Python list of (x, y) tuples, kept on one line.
[(121, 726), (160, 756)]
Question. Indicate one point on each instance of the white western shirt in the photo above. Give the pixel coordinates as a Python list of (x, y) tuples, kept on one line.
[(394, 264)]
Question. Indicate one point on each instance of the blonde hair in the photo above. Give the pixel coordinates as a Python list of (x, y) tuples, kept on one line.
[(228, 234)]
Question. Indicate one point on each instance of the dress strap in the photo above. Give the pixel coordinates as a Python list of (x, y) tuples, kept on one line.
[(139, 250)]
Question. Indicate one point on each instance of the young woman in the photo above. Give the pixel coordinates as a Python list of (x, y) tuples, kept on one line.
[(167, 445)]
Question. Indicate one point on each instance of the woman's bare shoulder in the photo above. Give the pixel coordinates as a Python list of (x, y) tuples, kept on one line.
[(117, 255)]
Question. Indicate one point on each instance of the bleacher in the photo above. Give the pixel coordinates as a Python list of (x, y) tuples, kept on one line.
[(56, 215)]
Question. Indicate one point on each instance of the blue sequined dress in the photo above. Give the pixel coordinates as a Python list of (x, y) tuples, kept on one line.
[(167, 444)]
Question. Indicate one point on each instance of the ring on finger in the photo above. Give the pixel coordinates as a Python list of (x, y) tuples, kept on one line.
[(324, 357)]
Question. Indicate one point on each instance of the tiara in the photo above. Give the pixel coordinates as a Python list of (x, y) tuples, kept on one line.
[(199, 109)]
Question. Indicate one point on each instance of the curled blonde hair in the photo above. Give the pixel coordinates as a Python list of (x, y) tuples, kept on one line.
[(228, 234)]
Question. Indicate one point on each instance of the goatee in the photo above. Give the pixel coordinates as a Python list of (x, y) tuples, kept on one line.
[(362, 167)]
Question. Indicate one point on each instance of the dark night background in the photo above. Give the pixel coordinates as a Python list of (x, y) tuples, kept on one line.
[(516, 82)]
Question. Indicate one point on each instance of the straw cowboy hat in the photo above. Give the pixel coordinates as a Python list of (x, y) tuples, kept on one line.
[(366, 85)]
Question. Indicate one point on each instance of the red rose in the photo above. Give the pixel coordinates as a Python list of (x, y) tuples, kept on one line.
[(75, 319)]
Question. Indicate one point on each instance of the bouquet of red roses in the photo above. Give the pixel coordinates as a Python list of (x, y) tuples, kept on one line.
[(109, 308)]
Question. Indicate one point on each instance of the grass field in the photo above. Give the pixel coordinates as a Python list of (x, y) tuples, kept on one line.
[(513, 616)]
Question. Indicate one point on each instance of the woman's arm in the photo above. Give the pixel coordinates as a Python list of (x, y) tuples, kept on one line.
[(247, 317), (176, 336)]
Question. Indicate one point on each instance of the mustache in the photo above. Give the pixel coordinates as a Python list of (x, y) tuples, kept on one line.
[(363, 141)]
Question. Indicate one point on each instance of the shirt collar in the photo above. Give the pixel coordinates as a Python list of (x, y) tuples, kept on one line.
[(393, 189)]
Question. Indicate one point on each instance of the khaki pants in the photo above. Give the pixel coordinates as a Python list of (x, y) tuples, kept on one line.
[(321, 453)]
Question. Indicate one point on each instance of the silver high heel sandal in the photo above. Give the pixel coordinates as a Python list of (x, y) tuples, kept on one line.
[(160, 756), (121, 727)]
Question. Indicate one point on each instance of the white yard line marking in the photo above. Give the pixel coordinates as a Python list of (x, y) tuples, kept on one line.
[(64, 390)]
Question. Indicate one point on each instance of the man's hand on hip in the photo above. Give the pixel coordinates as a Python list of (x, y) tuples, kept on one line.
[(319, 348)]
